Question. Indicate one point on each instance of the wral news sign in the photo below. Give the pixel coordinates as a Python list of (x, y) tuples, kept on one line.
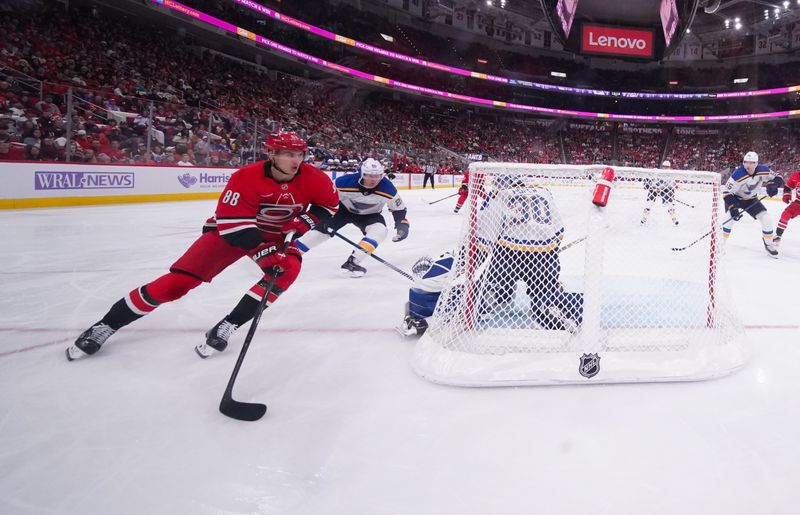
[(617, 41), (82, 180)]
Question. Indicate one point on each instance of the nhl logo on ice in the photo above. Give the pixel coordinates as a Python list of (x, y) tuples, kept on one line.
[(589, 366)]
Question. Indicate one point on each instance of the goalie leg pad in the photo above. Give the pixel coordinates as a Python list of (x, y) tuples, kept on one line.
[(559, 310), (543, 271), (421, 303)]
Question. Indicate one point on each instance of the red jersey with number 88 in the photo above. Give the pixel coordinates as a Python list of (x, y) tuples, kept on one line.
[(252, 199)]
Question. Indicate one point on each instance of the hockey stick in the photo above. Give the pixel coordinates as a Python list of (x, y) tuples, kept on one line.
[(571, 244), (679, 249), (371, 254), (682, 202), (441, 199), (228, 406)]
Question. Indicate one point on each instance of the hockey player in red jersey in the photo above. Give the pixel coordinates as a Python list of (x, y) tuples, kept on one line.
[(262, 203), (792, 210), (462, 192)]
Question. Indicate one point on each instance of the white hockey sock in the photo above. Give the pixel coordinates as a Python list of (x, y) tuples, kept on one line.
[(766, 225)]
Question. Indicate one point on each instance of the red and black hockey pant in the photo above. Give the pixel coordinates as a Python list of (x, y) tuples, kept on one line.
[(462, 197), (209, 255), (791, 211)]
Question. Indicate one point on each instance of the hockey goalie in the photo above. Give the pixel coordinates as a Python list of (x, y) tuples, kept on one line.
[(516, 265)]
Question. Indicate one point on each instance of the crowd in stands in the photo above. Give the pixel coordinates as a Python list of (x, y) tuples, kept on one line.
[(640, 146), (589, 143), (721, 149), (471, 54), (422, 39), (208, 110)]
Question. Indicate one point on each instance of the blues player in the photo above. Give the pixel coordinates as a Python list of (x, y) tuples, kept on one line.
[(362, 198), (522, 230), (741, 192), (660, 188)]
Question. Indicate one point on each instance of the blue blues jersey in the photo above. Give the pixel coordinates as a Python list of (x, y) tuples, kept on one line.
[(745, 186), (361, 201)]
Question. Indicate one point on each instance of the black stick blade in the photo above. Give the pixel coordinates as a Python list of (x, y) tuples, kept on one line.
[(246, 411)]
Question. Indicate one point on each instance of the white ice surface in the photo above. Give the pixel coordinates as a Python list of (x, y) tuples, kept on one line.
[(350, 428)]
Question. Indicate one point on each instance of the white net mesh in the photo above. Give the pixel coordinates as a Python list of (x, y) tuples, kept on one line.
[(549, 288)]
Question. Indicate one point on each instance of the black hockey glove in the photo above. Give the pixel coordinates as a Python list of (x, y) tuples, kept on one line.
[(736, 213), (772, 186), (402, 230), (463, 188)]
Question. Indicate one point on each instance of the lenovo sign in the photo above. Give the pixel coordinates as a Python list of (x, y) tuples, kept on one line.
[(616, 41)]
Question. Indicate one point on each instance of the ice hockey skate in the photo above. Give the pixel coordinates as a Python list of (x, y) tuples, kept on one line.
[(89, 341), (216, 339), (771, 248), (352, 269), (412, 327)]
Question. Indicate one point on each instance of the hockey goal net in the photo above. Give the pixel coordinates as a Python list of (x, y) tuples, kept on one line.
[(549, 288)]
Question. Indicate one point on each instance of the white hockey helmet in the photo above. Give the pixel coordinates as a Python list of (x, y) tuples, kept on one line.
[(666, 164), (508, 181), (750, 157), (371, 167)]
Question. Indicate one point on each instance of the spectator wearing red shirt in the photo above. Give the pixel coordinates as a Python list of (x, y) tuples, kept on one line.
[(11, 152), (82, 140), (116, 154)]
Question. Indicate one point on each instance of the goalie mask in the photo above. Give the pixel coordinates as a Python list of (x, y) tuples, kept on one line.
[(432, 275), (506, 182)]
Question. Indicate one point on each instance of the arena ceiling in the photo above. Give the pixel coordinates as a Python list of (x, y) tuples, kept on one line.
[(709, 17)]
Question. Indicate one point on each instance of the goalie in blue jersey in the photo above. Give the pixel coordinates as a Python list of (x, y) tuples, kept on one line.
[(518, 238)]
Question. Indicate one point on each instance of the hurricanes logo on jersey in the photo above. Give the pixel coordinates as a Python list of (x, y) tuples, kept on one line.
[(272, 216), (286, 198), (274, 213)]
